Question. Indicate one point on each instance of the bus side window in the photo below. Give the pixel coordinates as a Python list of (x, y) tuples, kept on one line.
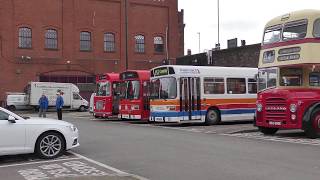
[(252, 86), (236, 85), (314, 79), (213, 85), (316, 28)]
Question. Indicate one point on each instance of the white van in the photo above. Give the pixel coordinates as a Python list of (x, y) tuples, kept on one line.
[(70, 93), (17, 101)]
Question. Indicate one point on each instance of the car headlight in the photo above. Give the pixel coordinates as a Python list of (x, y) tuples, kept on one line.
[(293, 108), (73, 128), (259, 107)]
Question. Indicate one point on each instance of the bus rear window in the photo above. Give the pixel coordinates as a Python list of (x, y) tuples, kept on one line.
[(295, 30)]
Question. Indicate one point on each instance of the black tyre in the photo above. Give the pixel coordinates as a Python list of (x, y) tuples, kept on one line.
[(50, 145), (313, 129), (82, 108), (11, 108), (268, 131), (212, 117)]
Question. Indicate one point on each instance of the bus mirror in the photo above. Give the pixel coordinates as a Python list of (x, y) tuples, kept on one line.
[(256, 76)]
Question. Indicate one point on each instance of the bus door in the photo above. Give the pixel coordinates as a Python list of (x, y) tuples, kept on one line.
[(116, 97), (190, 102)]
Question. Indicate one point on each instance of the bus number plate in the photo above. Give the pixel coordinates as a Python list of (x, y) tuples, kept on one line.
[(274, 123), (158, 118)]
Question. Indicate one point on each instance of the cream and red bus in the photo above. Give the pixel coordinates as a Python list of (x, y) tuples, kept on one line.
[(202, 94), (289, 74)]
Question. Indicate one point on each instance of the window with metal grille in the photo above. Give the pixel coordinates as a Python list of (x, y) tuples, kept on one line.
[(158, 44), (85, 41), (25, 38), (109, 42), (139, 44), (51, 39)]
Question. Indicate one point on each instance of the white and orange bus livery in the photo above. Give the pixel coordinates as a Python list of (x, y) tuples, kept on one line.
[(202, 94)]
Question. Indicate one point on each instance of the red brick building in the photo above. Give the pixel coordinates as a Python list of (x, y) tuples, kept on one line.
[(73, 40)]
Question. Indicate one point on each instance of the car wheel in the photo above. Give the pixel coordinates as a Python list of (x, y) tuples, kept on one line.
[(313, 130), (82, 109), (268, 131), (50, 145), (212, 117), (11, 108)]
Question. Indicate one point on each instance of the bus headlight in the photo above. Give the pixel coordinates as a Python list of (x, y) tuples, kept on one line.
[(293, 108), (259, 107)]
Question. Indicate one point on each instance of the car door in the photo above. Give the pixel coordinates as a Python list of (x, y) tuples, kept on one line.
[(12, 135)]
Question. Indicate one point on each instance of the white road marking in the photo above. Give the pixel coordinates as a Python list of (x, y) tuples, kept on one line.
[(259, 136), (120, 173), (39, 162)]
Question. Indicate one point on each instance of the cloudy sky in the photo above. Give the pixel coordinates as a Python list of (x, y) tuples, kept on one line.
[(242, 19)]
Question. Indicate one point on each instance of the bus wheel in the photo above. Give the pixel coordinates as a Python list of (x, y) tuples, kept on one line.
[(212, 117), (268, 131), (313, 130)]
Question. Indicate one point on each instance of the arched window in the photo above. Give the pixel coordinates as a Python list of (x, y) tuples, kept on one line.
[(51, 39), (85, 41), (139, 44), (158, 44), (109, 42), (25, 38)]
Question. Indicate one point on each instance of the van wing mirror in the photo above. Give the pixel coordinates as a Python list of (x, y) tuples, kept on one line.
[(11, 119)]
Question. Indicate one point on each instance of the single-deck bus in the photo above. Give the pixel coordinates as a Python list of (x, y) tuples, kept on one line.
[(134, 103), (289, 74), (106, 100), (202, 94)]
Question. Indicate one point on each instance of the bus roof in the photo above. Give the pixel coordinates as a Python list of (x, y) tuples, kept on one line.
[(206, 71), (293, 16), (108, 77)]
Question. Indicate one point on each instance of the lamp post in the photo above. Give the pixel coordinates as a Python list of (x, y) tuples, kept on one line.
[(199, 41), (218, 6), (126, 29)]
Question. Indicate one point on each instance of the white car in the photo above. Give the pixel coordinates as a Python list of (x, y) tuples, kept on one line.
[(48, 138)]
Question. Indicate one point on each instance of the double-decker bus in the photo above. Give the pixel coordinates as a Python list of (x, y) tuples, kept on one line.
[(289, 74), (107, 98), (134, 103), (202, 94)]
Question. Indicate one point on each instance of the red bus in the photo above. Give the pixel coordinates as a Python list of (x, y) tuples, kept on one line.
[(134, 103), (106, 101), (289, 74)]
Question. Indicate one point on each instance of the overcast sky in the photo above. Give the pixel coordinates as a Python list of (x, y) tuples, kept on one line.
[(242, 19)]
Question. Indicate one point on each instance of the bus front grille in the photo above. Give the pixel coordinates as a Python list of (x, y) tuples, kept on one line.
[(276, 109)]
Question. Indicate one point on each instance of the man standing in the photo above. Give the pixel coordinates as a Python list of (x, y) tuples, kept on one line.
[(43, 105), (59, 105)]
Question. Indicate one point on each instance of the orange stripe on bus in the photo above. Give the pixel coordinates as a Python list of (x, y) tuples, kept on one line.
[(207, 101)]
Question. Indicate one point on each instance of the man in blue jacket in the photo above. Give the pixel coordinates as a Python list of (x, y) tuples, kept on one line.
[(59, 105), (43, 105)]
